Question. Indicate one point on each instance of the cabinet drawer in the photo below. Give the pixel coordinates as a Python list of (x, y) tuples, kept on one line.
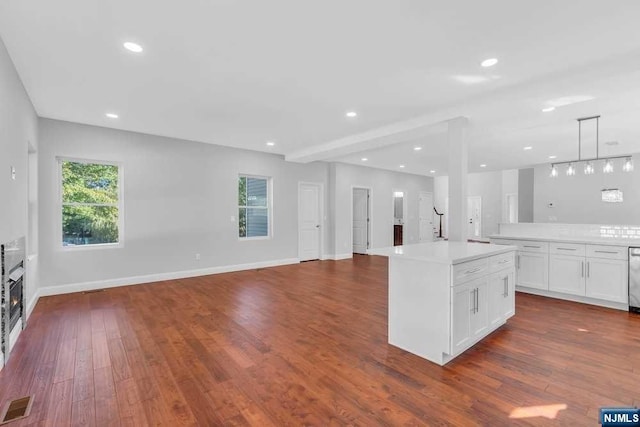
[(567, 249), (470, 270), (532, 246), (502, 261), (607, 252)]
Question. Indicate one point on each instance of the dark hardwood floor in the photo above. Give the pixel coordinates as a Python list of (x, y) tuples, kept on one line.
[(307, 345)]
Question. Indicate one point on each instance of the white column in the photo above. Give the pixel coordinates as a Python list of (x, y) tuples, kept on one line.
[(458, 165)]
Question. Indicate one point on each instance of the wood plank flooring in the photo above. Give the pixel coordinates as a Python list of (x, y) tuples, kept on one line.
[(307, 345)]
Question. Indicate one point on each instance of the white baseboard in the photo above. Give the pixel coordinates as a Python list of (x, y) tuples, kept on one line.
[(338, 257), (136, 280), (32, 304), (574, 298)]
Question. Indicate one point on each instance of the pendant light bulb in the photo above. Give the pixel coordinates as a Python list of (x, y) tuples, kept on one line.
[(589, 169), (608, 167), (628, 165), (571, 171), (554, 171)]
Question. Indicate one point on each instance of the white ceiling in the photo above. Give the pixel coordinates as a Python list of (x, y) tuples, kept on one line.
[(241, 73)]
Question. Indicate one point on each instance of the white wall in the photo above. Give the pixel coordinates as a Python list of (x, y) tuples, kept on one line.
[(18, 128), (179, 197), (492, 187), (577, 199), (383, 184)]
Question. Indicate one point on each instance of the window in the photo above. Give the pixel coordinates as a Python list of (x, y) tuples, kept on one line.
[(90, 203), (253, 206)]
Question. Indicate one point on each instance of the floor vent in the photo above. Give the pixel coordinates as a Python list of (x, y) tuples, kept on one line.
[(16, 409), (93, 291)]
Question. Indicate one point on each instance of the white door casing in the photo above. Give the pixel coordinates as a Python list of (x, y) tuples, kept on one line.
[(425, 216), (474, 209), (360, 220), (309, 221)]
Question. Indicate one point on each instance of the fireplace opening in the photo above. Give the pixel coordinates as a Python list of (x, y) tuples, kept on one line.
[(15, 302)]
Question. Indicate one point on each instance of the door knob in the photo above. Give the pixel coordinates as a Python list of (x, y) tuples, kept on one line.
[(318, 226)]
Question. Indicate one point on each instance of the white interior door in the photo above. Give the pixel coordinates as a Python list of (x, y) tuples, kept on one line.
[(474, 209), (309, 222), (360, 220), (425, 216)]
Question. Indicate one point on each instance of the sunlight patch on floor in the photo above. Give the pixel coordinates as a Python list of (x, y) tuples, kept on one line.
[(547, 411)]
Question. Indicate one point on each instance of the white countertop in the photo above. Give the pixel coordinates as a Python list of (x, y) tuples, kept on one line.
[(443, 251), (586, 240)]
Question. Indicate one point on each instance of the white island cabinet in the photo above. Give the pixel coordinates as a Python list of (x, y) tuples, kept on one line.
[(446, 296)]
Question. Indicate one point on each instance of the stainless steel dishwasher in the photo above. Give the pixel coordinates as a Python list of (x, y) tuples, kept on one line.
[(634, 280)]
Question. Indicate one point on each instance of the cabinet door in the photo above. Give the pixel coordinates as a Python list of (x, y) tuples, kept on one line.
[(509, 301), (497, 293), (501, 297), (533, 270), (567, 274), (607, 279), (462, 305), (480, 318)]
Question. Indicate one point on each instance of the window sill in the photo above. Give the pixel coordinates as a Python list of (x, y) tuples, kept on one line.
[(93, 247), (244, 239)]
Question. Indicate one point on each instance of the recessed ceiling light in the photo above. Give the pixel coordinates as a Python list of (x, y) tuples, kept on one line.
[(271, 143), (402, 166), (417, 148), (527, 148), (133, 47), (552, 157), (483, 165), (112, 115), (611, 143), (352, 114), (548, 109), (489, 62), (364, 159), (432, 171)]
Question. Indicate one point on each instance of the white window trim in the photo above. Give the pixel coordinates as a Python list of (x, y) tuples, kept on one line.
[(269, 209), (58, 216)]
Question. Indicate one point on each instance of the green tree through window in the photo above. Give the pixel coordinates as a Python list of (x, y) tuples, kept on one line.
[(90, 203)]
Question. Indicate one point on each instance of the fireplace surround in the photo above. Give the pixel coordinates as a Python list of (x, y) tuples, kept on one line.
[(12, 295)]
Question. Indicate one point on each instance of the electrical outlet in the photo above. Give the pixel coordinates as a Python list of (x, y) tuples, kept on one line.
[(197, 257), (233, 218), (13, 173)]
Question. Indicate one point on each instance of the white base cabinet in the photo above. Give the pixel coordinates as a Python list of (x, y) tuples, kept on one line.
[(533, 269), (567, 274), (607, 279), (588, 271)]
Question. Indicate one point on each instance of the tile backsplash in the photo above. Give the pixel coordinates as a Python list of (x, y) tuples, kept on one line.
[(610, 231)]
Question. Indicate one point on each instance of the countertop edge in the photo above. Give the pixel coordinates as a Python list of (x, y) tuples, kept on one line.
[(601, 242), (502, 250)]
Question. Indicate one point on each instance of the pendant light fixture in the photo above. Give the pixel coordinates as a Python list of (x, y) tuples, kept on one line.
[(589, 168)]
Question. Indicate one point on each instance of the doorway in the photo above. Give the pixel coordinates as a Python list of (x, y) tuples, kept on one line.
[(474, 213), (361, 220), (425, 216), (512, 208), (474, 210), (398, 217), (310, 208)]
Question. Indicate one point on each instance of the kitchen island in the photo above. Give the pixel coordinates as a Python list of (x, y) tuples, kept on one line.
[(446, 296)]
